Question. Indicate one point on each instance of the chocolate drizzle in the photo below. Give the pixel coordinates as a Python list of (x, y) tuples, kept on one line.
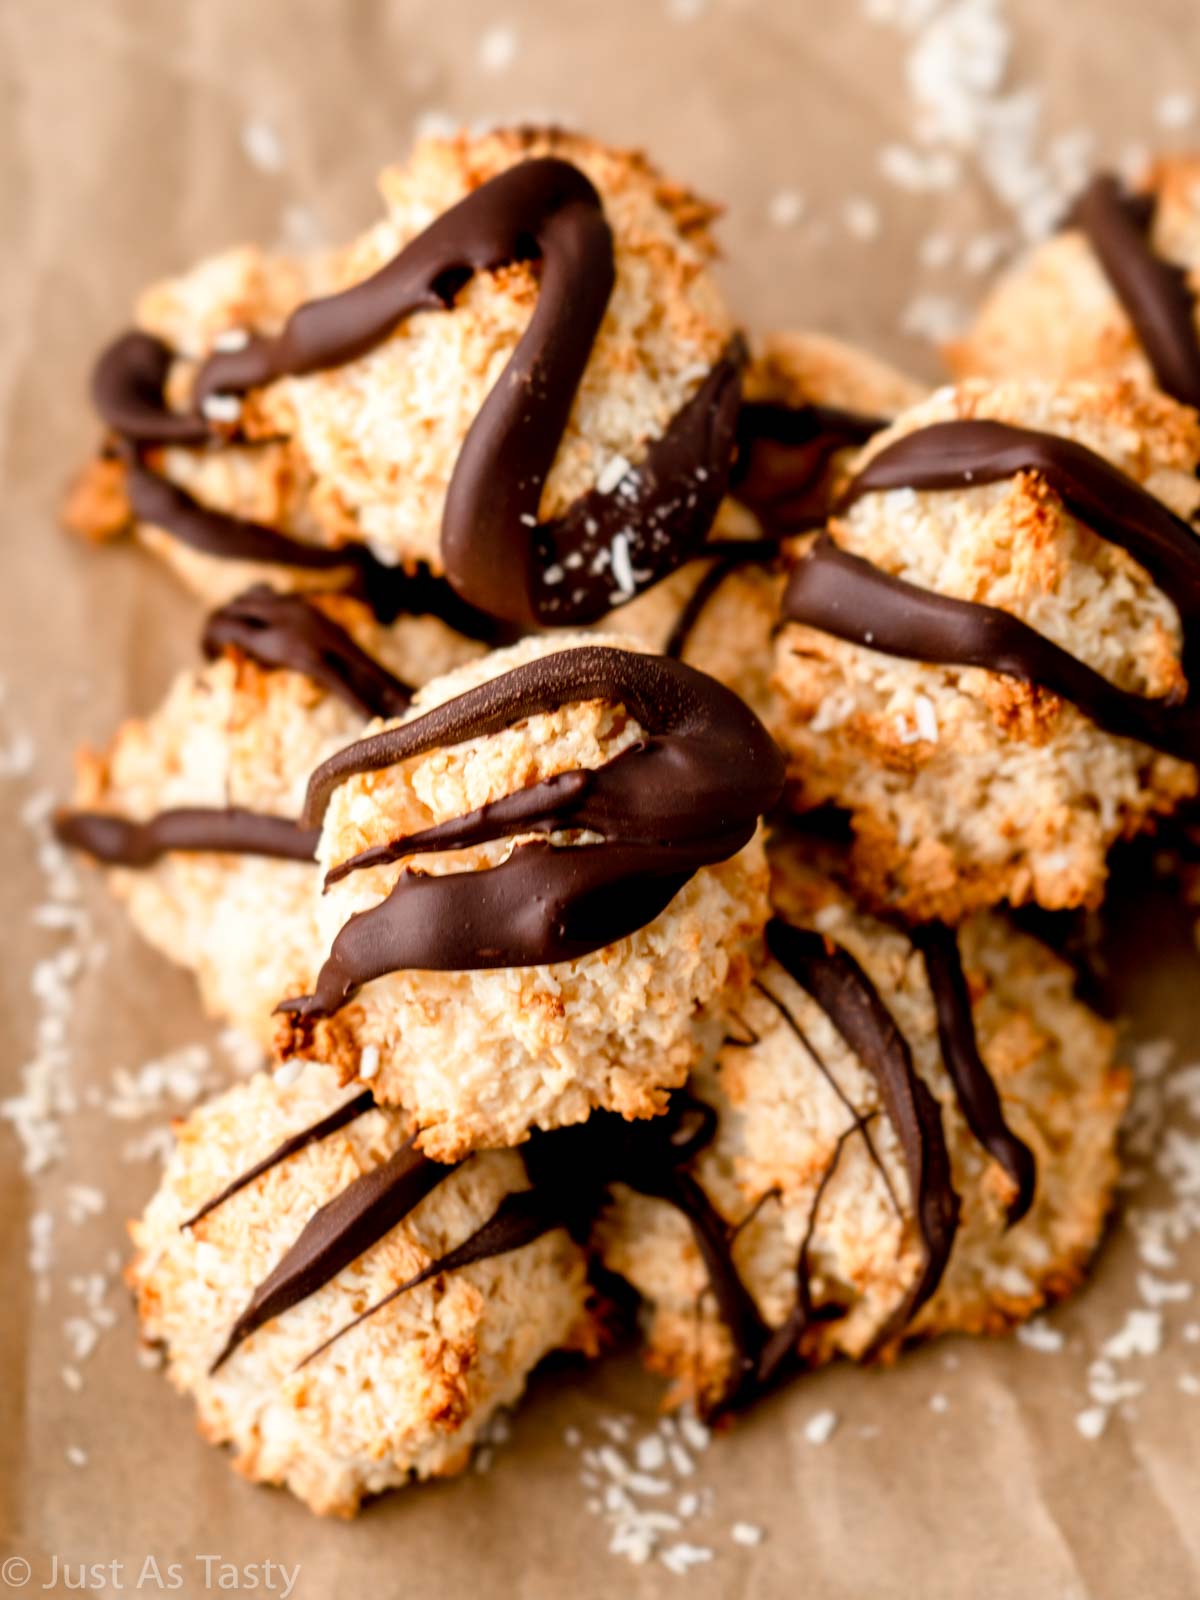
[(730, 556), (127, 390), (973, 1085), (137, 414), (497, 555), (651, 1157), (845, 595), (1154, 292), (782, 473), (518, 1220), (156, 500), (346, 1113), (569, 1171), (780, 1347), (687, 795), (120, 842), (288, 631), (335, 1235), (572, 1169), (850, 1000), (860, 1121)]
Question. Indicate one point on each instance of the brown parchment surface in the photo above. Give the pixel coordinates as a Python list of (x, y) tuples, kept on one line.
[(121, 158)]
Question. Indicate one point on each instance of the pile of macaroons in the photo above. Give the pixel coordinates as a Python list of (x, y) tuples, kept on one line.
[(617, 746)]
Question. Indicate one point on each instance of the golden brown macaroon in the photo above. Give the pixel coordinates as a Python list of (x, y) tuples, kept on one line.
[(232, 733), (966, 787), (720, 615), (1055, 313), (478, 1054), (805, 1150), (361, 453), (406, 1393)]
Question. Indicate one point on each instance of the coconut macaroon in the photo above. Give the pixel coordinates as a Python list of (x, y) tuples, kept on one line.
[(810, 401), (1113, 295), (264, 481), (357, 447), (503, 1001), (967, 786), (809, 1172), (405, 1392), (231, 742)]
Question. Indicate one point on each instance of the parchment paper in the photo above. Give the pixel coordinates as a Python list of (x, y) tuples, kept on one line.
[(124, 155)]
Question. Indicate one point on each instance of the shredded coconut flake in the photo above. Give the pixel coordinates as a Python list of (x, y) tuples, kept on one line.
[(821, 1427), (262, 146), (1141, 1336), (862, 219), (221, 407), (1092, 1422), (1175, 111), (622, 565), (785, 208), (498, 49), (1038, 1335)]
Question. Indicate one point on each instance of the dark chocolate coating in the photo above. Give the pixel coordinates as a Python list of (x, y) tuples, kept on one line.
[(164, 504), (518, 1220), (389, 591), (337, 1234), (842, 989), (495, 551), (127, 392), (568, 1170), (688, 795), (289, 632), (348, 1112), (571, 1170), (1154, 292), (845, 595), (120, 842), (973, 1084), (784, 456)]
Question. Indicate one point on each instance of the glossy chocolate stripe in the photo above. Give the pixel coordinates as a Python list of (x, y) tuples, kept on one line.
[(504, 220), (543, 807), (389, 591), (543, 210), (662, 509), (689, 794), (353, 1108), (543, 905), (697, 728), (290, 632), (850, 1000), (337, 1234), (1154, 292), (780, 1348), (497, 555), (974, 1086), (121, 842), (650, 1157), (158, 501), (518, 1220), (495, 551), (846, 596), (127, 392), (964, 454)]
